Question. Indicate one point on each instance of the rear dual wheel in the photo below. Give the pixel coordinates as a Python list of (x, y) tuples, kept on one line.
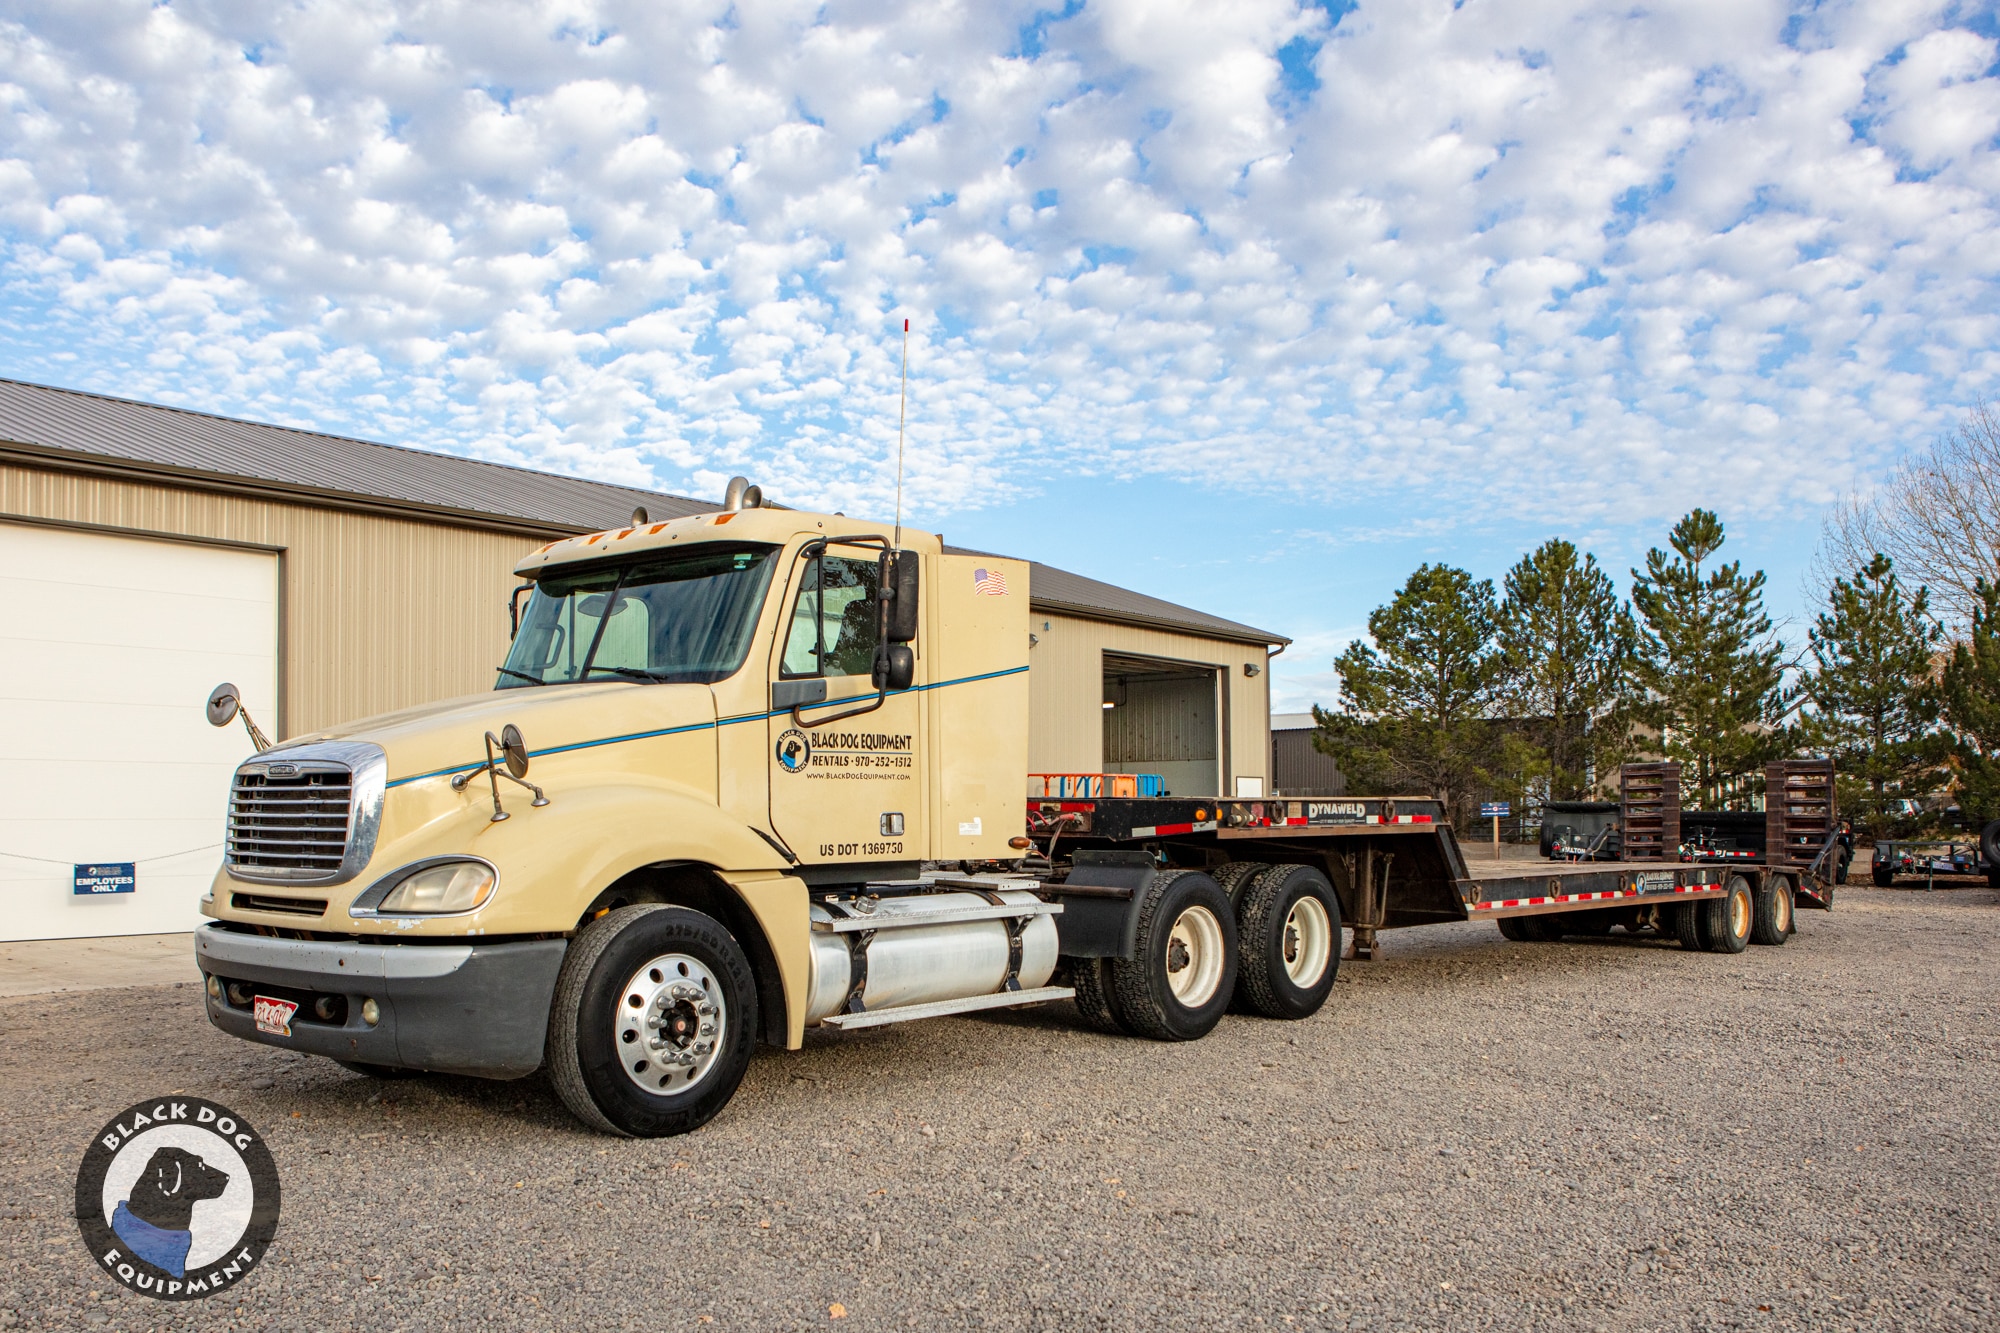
[(1773, 901), (1288, 937), (1177, 983), (1724, 924)]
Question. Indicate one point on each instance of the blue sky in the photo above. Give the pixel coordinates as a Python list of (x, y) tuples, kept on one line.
[(1255, 306)]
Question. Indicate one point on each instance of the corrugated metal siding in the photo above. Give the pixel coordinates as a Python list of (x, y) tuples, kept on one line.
[(380, 613), (1066, 700), (1297, 769)]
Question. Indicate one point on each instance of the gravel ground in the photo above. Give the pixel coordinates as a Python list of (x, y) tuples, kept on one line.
[(1614, 1134)]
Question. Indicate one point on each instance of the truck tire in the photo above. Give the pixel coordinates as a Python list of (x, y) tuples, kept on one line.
[(1528, 929), (1513, 928), (1288, 938), (1235, 876), (1091, 978), (1182, 972), (1726, 922), (1883, 875), (1683, 922), (1989, 848), (653, 1022), (1773, 923)]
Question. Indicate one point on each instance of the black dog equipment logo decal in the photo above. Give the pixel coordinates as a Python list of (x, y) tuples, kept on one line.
[(177, 1198)]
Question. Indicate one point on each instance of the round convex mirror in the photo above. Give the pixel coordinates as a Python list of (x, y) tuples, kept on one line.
[(514, 750), (222, 705)]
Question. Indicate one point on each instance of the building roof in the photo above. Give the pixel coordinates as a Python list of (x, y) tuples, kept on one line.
[(90, 432), (1293, 722), (87, 432)]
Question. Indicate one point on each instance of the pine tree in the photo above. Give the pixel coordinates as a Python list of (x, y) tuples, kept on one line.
[(1970, 693), (1711, 675), (1414, 706), (1873, 707), (1567, 642)]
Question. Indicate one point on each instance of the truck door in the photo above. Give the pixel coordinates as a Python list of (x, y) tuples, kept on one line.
[(845, 790)]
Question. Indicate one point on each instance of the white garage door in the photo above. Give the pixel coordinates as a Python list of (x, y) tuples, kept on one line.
[(109, 646)]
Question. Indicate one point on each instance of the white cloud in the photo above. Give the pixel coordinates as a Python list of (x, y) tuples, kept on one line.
[(1569, 257)]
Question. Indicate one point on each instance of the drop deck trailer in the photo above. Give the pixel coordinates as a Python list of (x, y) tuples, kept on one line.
[(1393, 863)]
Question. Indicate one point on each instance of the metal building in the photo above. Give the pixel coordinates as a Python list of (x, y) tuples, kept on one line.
[(147, 553)]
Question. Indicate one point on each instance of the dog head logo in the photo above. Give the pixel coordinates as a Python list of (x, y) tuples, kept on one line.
[(177, 1198), (794, 750)]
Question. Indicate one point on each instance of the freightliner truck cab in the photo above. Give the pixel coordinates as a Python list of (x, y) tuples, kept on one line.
[(649, 845)]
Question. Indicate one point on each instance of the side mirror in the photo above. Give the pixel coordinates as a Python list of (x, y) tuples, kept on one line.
[(514, 750), (895, 666), (223, 705), (899, 590)]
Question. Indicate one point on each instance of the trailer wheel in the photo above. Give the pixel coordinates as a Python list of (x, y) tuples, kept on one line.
[(1091, 978), (1514, 928), (1288, 934), (1529, 929), (1182, 972), (1883, 875), (1726, 922), (1989, 847), (1774, 911), (1684, 923), (654, 1018)]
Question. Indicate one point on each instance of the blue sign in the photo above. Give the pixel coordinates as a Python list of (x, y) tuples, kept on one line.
[(115, 877), (1495, 809)]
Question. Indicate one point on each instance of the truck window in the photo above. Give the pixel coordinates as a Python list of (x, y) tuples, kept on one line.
[(681, 617), (833, 621)]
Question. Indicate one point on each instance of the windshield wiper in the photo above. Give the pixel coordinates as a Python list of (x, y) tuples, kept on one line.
[(520, 675), (635, 673)]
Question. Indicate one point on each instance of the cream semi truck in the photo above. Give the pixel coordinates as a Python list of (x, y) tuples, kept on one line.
[(751, 772)]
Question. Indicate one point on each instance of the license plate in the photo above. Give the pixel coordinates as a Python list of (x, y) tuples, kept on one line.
[(274, 1016)]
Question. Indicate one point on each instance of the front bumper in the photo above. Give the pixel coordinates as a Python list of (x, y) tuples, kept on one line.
[(457, 1008)]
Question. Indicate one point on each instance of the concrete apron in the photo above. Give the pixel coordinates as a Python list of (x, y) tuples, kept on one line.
[(40, 967)]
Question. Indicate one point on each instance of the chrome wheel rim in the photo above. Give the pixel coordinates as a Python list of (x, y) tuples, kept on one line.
[(1308, 942), (670, 1025), (1194, 957)]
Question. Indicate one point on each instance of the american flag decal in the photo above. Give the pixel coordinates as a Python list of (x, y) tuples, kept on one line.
[(989, 583)]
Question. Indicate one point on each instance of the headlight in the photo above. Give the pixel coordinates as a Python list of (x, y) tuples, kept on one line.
[(441, 887)]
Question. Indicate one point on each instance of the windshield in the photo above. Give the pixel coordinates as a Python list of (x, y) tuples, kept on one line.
[(685, 617)]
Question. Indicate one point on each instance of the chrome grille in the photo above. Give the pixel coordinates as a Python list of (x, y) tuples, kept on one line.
[(291, 826)]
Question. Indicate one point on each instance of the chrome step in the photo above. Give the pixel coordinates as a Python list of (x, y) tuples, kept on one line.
[(943, 916), (1005, 999)]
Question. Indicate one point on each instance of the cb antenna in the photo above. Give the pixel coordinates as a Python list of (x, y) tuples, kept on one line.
[(902, 415)]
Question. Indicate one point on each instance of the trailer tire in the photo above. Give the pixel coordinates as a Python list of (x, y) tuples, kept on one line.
[(1182, 973), (1884, 876), (1726, 922), (1774, 911), (1288, 941), (1684, 923), (1514, 928), (652, 954), (1091, 979)]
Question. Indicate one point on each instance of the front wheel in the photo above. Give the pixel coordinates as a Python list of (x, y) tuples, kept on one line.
[(1182, 971), (654, 1019), (1288, 931)]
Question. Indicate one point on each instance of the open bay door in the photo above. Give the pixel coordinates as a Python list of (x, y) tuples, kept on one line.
[(114, 789)]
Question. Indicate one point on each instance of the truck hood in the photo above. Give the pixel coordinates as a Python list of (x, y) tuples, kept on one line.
[(450, 734)]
